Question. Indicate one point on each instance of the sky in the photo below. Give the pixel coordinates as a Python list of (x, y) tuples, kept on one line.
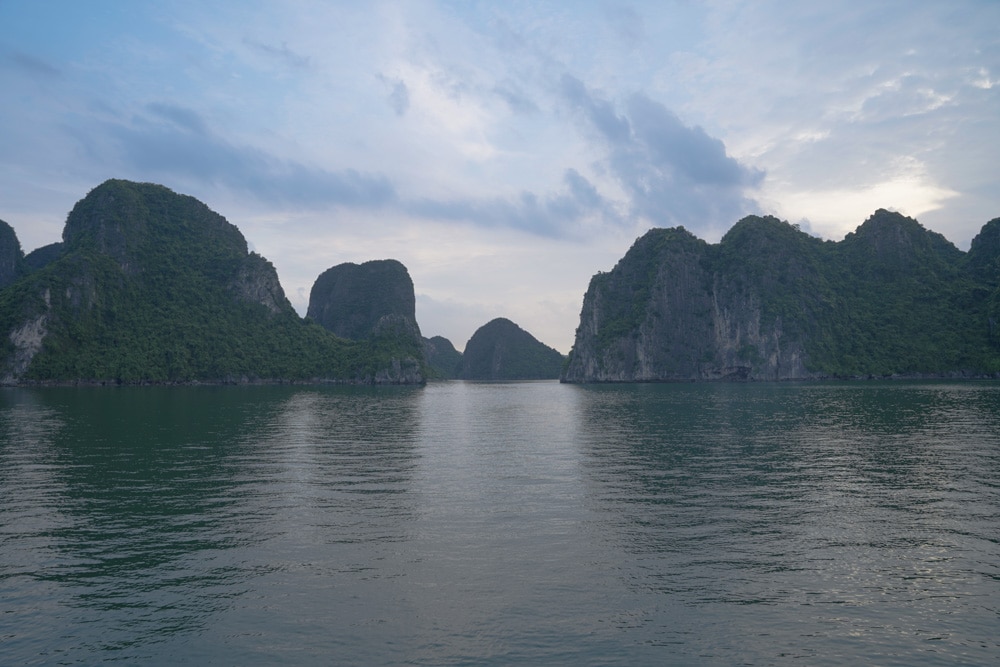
[(505, 152)]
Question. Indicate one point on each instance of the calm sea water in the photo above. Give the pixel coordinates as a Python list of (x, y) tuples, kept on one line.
[(497, 524)]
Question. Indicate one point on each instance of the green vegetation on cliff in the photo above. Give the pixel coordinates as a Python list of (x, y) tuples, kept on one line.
[(444, 362), (771, 302), (370, 302), (12, 264), (152, 286), (501, 350), (351, 300)]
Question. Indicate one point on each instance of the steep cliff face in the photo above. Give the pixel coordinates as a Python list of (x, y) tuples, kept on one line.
[(11, 255), (648, 318), (984, 265), (670, 311), (256, 281), (349, 299), (501, 350), (152, 286), (373, 301), (442, 357), (769, 302), (984, 253)]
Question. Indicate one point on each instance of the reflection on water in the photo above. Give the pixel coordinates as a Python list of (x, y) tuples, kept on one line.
[(519, 523), (140, 511), (870, 510)]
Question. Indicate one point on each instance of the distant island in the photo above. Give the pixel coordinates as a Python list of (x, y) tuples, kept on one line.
[(500, 351), (770, 302), (149, 286), (444, 362), (152, 287)]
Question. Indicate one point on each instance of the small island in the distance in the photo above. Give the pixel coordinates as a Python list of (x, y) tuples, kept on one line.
[(152, 287)]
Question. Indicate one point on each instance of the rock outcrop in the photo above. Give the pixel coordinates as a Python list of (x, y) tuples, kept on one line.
[(984, 265), (442, 357), (350, 299), (256, 281), (373, 301), (152, 286), (41, 257), (11, 255), (500, 350), (769, 302)]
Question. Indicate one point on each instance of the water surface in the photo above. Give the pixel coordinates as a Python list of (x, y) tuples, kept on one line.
[(522, 523)]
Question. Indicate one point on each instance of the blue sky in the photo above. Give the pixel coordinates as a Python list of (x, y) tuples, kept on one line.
[(503, 151)]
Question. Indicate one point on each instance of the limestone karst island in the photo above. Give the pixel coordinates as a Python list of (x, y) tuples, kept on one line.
[(149, 286)]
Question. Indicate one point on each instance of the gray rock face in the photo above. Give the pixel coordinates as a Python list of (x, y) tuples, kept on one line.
[(677, 309), (664, 314), (769, 302), (257, 282), (407, 370), (373, 301), (351, 299), (26, 340)]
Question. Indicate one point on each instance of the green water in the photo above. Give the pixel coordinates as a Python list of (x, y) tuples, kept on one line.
[(523, 523)]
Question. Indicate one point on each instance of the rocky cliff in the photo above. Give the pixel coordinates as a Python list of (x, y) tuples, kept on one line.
[(984, 266), (11, 255), (350, 299), (769, 302), (152, 286), (41, 257), (501, 350), (442, 357), (372, 300)]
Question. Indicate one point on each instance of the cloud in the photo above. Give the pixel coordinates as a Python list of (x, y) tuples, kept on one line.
[(582, 190), (671, 173), (601, 113), (282, 54), (30, 65), (399, 98), (186, 119), (626, 24), (175, 144), (184, 149), (687, 153), (555, 215), (516, 100), (835, 211)]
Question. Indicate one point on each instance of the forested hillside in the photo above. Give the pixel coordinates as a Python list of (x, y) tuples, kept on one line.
[(152, 286), (771, 302), (501, 350)]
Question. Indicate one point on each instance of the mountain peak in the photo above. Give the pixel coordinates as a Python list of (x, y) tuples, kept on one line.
[(501, 350), (352, 299)]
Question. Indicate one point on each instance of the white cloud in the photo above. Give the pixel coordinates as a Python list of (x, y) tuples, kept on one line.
[(442, 133), (834, 212), (983, 79)]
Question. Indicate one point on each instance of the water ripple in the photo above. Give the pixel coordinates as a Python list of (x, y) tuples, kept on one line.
[(519, 523)]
